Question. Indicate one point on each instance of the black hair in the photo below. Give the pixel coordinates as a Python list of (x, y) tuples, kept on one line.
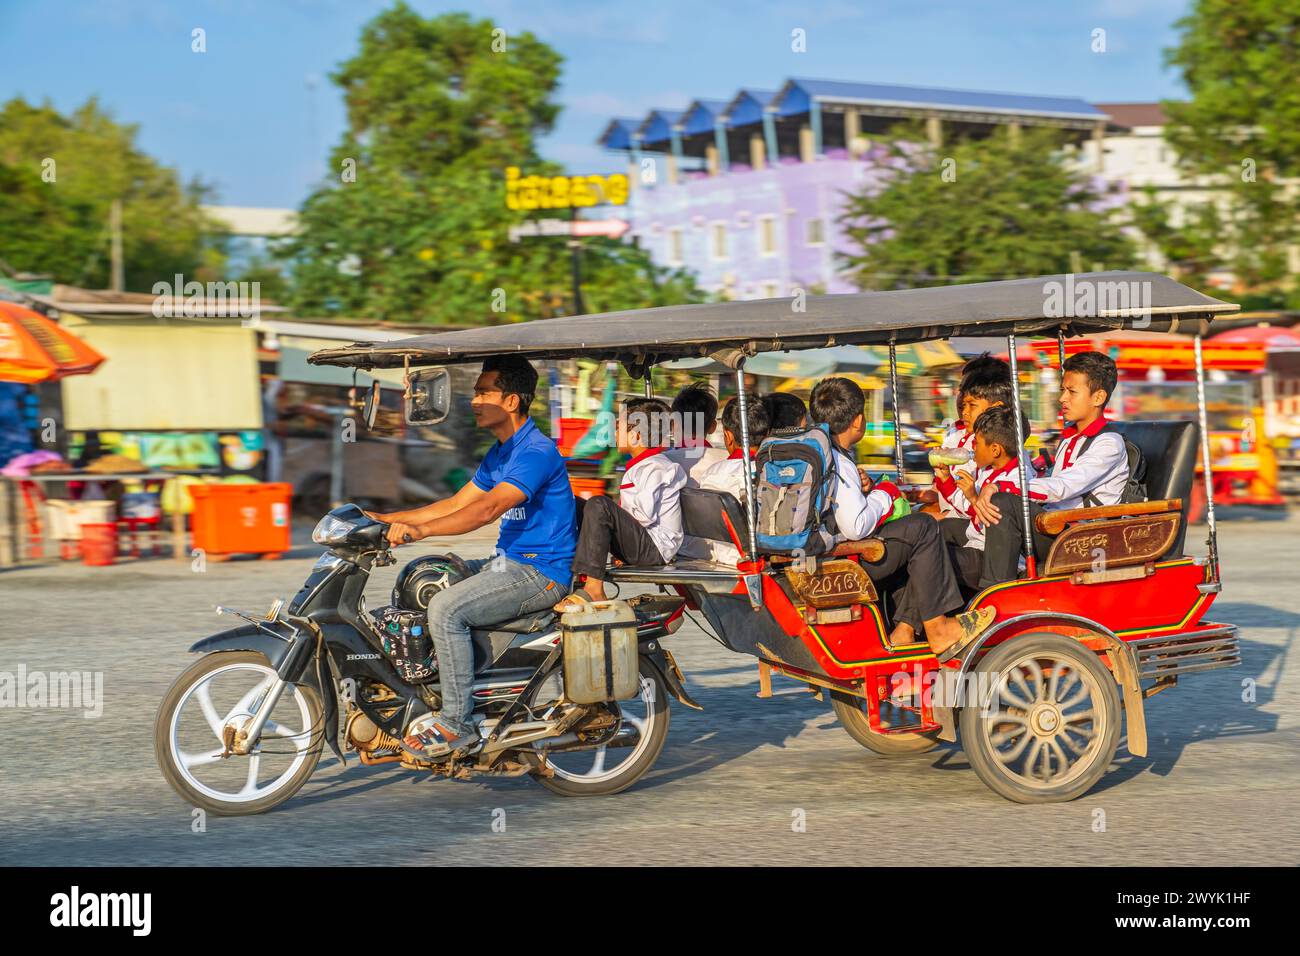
[(657, 416), (784, 410), (836, 402), (992, 392), (983, 373), (1097, 368), (516, 376), (756, 418), (998, 426), (696, 399), (984, 363)]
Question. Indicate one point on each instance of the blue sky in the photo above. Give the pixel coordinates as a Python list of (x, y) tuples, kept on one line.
[(256, 114)]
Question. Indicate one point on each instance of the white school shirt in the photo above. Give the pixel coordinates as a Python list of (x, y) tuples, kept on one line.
[(1006, 478), (695, 458), (950, 493), (858, 515), (651, 493), (1102, 470), (726, 475), (952, 503)]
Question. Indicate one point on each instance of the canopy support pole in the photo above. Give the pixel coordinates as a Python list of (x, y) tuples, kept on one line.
[(753, 582), (649, 387), (1213, 540), (1060, 364), (1031, 565), (893, 392)]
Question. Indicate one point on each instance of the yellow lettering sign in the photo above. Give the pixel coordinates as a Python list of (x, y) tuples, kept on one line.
[(564, 192)]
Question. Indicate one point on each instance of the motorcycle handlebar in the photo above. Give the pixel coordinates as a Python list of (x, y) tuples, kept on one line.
[(406, 538)]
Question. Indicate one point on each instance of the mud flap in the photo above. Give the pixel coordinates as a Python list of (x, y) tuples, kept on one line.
[(666, 665)]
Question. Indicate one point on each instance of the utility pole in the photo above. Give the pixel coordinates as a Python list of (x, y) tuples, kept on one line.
[(117, 282), (575, 248)]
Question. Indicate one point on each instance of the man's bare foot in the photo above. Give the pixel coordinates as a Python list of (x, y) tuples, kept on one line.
[(948, 635), (571, 602), (903, 633)]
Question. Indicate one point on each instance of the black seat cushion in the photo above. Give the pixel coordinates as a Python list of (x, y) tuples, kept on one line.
[(702, 512), (1169, 449), (527, 624)]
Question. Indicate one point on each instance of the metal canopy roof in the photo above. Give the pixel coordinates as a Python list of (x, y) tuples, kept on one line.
[(701, 116), (1082, 303), (797, 94), (747, 106)]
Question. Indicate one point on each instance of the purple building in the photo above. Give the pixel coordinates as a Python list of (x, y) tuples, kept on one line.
[(746, 192)]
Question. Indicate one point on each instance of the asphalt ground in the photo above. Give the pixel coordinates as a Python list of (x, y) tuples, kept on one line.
[(746, 781)]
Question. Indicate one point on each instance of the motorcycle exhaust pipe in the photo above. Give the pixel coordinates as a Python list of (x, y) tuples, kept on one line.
[(626, 737)]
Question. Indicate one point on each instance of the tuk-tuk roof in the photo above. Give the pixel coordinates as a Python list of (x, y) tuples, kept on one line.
[(1079, 303)]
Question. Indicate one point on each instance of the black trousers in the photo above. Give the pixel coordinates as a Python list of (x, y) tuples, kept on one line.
[(953, 531), (966, 564), (1004, 542), (604, 529), (915, 570)]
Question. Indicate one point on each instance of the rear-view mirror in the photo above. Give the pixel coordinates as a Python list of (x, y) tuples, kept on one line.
[(428, 396), (370, 405)]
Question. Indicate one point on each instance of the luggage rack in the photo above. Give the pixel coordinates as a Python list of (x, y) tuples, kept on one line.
[(1170, 655)]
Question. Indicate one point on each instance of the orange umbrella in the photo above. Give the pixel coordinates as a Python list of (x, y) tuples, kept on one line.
[(34, 349)]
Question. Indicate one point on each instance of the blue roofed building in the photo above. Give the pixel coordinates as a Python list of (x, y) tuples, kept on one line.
[(746, 191)]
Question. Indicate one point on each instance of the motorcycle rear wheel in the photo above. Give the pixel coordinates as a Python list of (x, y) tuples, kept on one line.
[(301, 740), (651, 735)]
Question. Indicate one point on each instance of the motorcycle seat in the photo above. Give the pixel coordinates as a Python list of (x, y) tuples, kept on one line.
[(528, 624)]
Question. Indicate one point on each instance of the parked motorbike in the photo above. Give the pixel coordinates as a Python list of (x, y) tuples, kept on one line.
[(243, 729)]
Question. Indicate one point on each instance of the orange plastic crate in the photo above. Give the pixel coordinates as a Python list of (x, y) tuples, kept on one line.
[(241, 519), (587, 487)]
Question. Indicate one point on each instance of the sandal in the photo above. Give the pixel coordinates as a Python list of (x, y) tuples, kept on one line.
[(973, 625), (572, 602)]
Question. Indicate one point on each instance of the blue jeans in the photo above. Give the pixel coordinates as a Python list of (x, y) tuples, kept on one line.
[(499, 589)]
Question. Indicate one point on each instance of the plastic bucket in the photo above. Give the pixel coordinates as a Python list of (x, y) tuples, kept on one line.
[(98, 544), (572, 429)]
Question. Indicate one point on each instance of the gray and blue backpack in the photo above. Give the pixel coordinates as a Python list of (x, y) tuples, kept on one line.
[(796, 493)]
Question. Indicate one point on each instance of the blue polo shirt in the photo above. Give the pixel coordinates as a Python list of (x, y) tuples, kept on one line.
[(541, 531)]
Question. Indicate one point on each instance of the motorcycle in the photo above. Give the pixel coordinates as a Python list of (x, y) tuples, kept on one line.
[(243, 729)]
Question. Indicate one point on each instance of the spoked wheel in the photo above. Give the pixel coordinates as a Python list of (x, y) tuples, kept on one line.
[(206, 709), (616, 744), (852, 714), (1050, 719)]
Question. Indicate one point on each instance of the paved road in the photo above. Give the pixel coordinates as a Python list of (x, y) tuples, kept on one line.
[(1219, 786)]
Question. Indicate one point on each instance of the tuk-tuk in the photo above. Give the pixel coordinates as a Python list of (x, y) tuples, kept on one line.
[(1076, 643)]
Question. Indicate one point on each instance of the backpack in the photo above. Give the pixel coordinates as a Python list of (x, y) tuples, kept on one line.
[(1135, 489), (795, 491)]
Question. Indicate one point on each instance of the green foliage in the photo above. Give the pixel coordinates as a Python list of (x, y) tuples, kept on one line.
[(436, 112), (1240, 60), (58, 178), (979, 210)]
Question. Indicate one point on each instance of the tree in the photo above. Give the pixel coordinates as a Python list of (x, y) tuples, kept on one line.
[(416, 228), (1240, 60), (58, 178), (1190, 248), (1001, 207)]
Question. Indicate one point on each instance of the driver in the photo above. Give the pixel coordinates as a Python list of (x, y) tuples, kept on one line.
[(521, 480)]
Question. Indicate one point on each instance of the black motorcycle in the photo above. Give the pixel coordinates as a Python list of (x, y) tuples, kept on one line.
[(243, 728)]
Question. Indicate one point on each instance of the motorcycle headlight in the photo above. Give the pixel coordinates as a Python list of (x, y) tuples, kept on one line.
[(330, 530)]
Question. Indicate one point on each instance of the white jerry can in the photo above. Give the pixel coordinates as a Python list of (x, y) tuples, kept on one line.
[(600, 652)]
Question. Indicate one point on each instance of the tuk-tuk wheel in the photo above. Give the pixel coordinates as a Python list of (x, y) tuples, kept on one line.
[(852, 714), (1046, 722)]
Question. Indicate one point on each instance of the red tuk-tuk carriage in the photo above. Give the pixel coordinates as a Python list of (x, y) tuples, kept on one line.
[(1077, 641), (1116, 612)]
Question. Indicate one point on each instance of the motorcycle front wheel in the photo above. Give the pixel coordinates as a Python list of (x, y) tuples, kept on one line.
[(223, 690), (622, 739)]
